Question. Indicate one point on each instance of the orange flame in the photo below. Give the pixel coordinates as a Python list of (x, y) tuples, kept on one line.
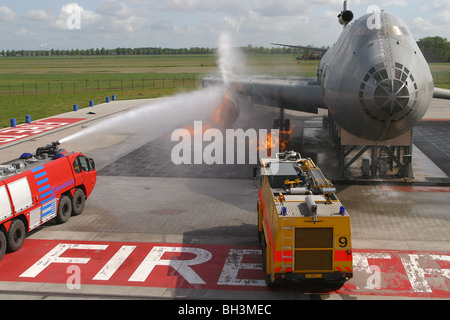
[(271, 141), (267, 143), (285, 136), (218, 119)]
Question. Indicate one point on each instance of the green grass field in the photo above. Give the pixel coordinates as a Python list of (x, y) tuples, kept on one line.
[(46, 86)]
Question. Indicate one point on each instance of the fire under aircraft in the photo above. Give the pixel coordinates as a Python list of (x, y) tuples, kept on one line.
[(375, 81)]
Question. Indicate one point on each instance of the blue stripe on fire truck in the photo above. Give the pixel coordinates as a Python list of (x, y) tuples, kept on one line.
[(42, 181), (40, 175), (49, 208), (48, 199), (44, 188), (47, 194)]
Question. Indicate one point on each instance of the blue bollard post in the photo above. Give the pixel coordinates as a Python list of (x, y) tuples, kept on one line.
[(13, 123), (75, 107), (113, 97), (28, 119), (91, 103), (107, 99)]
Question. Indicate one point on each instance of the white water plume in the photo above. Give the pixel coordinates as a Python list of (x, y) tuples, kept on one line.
[(231, 60), (156, 116)]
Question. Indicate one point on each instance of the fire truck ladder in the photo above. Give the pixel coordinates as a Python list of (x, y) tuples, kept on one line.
[(287, 241), (319, 180)]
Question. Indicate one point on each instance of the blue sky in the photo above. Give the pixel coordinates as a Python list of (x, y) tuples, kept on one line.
[(31, 24)]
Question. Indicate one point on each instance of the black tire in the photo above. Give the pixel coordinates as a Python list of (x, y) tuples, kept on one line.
[(78, 201), (268, 279), (3, 244), (64, 209), (16, 235), (336, 284), (267, 276)]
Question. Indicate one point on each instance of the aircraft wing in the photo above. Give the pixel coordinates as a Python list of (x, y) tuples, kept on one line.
[(290, 93), (441, 93), (300, 47)]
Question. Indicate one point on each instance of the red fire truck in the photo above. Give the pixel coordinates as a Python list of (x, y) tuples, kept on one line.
[(37, 188)]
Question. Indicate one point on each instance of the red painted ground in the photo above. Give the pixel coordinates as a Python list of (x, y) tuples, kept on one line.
[(220, 267), (22, 131)]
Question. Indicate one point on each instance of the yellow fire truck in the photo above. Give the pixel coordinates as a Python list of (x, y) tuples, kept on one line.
[(303, 228)]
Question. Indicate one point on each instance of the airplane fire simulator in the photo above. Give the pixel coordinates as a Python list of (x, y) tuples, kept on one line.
[(51, 184), (375, 84)]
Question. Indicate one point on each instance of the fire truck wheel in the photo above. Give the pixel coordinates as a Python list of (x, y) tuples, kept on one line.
[(16, 235), (78, 201), (64, 209), (2, 244), (268, 278)]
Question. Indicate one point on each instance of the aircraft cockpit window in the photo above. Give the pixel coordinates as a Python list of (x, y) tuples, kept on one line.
[(398, 31), (362, 30)]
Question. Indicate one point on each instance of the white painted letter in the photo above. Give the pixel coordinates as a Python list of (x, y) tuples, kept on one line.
[(54, 256), (234, 264), (153, 259), (111, 267)]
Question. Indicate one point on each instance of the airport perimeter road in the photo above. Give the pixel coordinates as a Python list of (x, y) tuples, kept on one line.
[(155, 230)]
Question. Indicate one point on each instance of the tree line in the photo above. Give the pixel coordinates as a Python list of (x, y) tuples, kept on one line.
[(103, 52), (142, 51), (435, 49)]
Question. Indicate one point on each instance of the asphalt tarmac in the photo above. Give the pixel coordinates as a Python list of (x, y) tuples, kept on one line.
[(143, 200)]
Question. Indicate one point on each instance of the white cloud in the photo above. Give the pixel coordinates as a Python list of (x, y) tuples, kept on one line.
[(276, 8), (38, 15), (6, 14), (231, 25), (437, 25), (22, 32), (225, 6), (119, 10), (443, 19), (87, 18), (392, 3), (441, 4)]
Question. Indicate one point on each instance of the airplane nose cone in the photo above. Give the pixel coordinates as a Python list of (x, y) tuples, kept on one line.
[(391, 96), (388, 95)]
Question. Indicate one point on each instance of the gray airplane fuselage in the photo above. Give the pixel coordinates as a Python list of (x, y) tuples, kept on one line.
[(376, 82)]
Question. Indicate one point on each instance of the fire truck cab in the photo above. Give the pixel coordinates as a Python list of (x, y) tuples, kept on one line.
[(37, 188), (303, 227)]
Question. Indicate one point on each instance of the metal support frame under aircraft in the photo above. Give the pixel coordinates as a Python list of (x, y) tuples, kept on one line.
[(388, 159)]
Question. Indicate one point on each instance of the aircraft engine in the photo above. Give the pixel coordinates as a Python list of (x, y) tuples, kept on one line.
[(227, 112), (345, 17)]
